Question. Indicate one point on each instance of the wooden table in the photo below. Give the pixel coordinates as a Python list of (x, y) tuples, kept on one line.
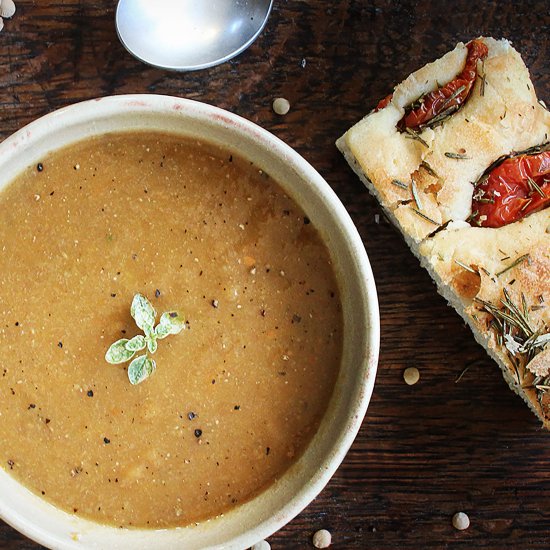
[(424, 451)]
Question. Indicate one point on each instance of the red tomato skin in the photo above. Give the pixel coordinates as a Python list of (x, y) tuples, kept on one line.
[(507, 195)]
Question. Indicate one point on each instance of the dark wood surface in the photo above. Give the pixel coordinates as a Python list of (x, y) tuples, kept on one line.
[(425, 451)]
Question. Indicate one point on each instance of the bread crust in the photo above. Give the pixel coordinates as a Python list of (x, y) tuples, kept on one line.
[(426, 190)]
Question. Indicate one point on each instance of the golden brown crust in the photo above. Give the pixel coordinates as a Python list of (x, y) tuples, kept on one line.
[(479, 270)]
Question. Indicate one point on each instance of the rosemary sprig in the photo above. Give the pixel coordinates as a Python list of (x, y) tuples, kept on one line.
[(414, 192), (414, 135), (428, 169), (422, 215), (456, 156), (400, 184), (513, 329), (441, 117), (515, 263), (481, 75), (526, 204), (456, 93), (466, 267), (533, 186)]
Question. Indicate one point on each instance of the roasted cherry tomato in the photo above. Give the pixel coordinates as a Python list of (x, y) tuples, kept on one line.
[(446, 99), (517, 186), (451, 96)]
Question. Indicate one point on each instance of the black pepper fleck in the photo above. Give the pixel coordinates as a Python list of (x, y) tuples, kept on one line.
[(113, 294), (215, 303), (40, 167), (90, 393), (106, 440), (307, 221), (157, 293), (60, 344), (198, 433), (237, 407), (191, 415), (32, 406)]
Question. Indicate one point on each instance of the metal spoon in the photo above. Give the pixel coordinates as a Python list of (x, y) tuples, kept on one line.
[(185, 35)]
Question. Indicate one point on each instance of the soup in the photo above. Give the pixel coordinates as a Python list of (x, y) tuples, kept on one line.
[(235, 398)]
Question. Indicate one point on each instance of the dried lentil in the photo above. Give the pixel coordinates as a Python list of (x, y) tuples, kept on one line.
[(322, 539), (281, 106), (461, 521), (411, 376)]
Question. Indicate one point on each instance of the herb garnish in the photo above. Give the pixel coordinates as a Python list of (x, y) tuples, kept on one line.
[(414, 193), (414, 135), (428, 169), (515, 263), (400, 184), (466, 267), (456, 156), (124, 349), (514, 330), (422, 215)]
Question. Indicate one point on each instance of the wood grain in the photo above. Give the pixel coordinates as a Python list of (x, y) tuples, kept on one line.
[(425, 451)]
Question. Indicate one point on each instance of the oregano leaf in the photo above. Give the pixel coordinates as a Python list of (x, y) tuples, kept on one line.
[(143, 313), (140, 369), (137, 343), (171, 322), (152, 343), (118, 352)]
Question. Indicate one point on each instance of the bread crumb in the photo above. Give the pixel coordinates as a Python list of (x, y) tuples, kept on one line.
[(262, 545), (281, 105), (322, 539), (461, 521), (411, 376)]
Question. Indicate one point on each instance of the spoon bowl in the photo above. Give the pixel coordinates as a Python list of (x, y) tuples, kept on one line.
[(186, 35)]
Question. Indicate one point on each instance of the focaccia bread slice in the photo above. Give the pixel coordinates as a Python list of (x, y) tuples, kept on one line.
[(495, 277), (501, 115), (428, 178)]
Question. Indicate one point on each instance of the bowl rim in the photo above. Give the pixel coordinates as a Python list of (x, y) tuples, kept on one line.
[(161, 105)]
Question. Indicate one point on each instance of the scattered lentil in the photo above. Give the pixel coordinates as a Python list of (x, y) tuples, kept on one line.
[(281, 106), (411, 376), (461, 521), (322, 539)]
